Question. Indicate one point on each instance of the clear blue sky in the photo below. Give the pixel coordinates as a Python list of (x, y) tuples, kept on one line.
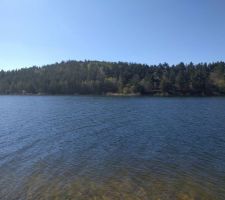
[(37, 32)]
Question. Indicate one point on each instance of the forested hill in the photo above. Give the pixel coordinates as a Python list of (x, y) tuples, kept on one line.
[(93, 77)]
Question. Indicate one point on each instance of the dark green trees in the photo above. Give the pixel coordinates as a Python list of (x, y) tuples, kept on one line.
[(93, 77)]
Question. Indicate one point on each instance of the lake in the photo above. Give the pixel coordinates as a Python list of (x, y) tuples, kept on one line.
[(89, 147)]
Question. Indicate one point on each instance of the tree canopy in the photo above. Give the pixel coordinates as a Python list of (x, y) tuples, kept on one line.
[(95, 77)]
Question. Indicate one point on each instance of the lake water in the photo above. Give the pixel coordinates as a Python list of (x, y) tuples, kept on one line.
[(85, 147)]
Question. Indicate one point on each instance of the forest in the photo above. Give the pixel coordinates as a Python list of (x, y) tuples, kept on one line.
[(105, 78)]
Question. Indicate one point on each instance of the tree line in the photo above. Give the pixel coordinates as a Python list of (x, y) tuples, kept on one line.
[(95, 77)]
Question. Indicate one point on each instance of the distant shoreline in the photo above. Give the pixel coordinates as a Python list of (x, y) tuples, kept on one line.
[(116, 79), (116, 95)]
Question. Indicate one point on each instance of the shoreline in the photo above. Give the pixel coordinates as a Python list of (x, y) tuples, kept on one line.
[(115, 95)]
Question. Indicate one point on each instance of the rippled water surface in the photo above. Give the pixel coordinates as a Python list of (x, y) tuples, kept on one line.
[(72, 147)]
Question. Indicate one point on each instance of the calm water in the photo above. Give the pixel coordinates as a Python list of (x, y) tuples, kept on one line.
[(71, 147)]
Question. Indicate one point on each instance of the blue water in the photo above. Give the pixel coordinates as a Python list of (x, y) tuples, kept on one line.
[(172, 147)]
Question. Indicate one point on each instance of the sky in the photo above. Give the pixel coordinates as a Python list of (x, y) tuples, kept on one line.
[(38, 32)]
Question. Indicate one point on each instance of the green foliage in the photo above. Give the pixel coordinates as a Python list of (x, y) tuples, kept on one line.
[(93, 77)]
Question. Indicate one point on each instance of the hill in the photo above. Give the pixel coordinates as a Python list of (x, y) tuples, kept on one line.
[(95, 77)]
